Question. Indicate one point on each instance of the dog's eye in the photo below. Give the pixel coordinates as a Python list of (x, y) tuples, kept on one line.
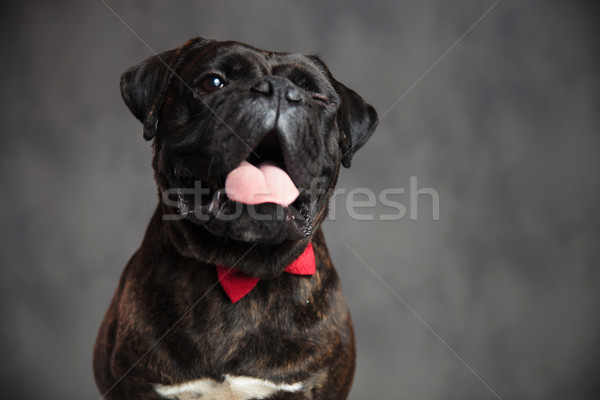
[(211, 83)]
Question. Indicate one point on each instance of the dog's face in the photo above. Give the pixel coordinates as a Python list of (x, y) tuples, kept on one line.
[(247, 147)]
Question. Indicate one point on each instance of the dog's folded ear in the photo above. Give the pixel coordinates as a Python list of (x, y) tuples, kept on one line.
[(143, 86), (357, 121)]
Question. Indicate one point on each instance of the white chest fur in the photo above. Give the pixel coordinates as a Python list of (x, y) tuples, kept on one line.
[(232, 388)]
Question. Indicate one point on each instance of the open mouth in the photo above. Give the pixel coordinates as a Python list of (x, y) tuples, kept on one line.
[(258, 195), (262, 177)]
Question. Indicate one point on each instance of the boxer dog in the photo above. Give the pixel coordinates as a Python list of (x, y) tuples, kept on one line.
[(232, 293)]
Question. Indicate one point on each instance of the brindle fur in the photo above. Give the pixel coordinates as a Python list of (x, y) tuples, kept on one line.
[(169, 321)]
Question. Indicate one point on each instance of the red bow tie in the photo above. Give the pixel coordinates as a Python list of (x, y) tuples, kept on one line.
[(238, 284)]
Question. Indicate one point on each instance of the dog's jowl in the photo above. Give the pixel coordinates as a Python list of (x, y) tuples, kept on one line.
[(232, 294)]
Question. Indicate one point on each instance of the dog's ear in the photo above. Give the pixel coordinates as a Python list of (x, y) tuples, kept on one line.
[(356, 120), (143, 86)]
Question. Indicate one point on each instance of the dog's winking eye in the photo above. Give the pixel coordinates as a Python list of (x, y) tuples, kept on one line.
[(211, 83)]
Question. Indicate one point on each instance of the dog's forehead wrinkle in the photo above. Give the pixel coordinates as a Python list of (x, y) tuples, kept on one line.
[(242, 52), (296, 60), (233, 58), (236, 62)]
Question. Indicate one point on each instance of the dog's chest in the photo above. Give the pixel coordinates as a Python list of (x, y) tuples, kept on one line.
[(232, 388)]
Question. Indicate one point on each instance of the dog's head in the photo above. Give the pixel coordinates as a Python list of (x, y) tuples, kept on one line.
[(247, 147)]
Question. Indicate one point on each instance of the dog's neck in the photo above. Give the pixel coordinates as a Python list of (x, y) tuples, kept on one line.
[(194, 242)]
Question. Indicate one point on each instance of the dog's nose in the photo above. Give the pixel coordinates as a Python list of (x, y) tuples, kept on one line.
[(278, 87), (263, 87), (292, 94)]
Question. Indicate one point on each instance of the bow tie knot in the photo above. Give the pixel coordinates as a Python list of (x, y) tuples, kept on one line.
[(238, 284)]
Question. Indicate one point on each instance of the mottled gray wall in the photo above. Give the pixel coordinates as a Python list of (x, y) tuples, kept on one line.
[(505, 127)]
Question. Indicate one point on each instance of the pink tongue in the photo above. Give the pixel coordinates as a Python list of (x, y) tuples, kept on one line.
[(266, 184)]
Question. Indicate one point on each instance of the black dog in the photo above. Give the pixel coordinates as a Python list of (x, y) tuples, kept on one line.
[(232, 294)]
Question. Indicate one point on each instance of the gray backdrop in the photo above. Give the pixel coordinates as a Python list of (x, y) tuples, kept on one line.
[(504, 128)]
